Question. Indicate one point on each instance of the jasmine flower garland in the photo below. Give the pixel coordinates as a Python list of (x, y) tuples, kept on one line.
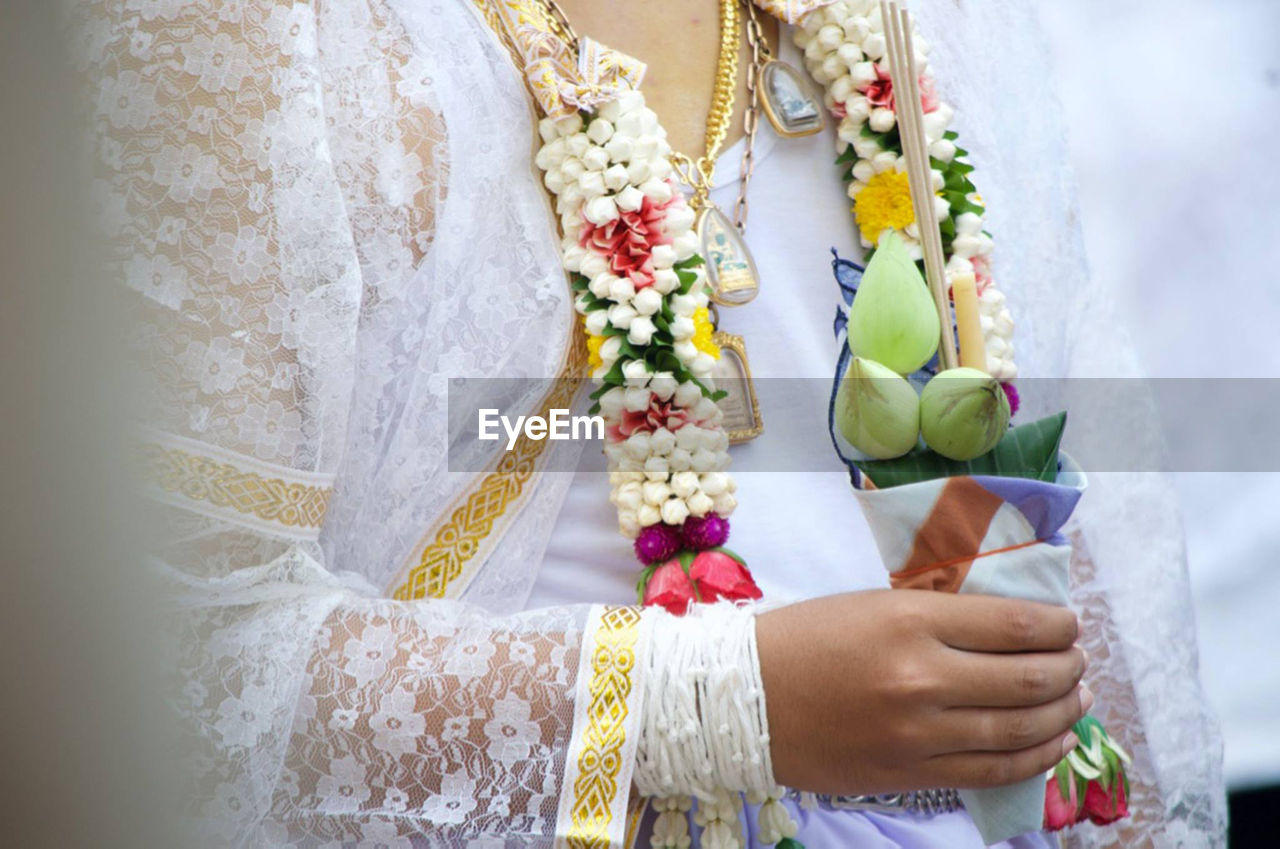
[(629, 244), (845, 52)]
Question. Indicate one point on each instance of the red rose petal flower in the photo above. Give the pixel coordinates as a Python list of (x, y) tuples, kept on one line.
[(720, 574), (669, 587)]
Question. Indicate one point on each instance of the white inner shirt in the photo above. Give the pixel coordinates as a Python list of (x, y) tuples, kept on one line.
[(800, 532)]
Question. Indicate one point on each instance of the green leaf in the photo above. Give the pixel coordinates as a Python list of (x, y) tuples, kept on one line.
[(692, 262), (687, 279), (848, 156), (1112, 770), (788, 843), (645, 575), (1026, 451), (1063, 775)]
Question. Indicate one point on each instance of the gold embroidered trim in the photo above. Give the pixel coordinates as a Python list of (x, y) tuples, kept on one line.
[(222, 484), (635, 814), (459, 539), (598, 759)]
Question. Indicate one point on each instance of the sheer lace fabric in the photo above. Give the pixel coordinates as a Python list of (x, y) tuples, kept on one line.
[(327, 210), (277, 177), (1131, 584)]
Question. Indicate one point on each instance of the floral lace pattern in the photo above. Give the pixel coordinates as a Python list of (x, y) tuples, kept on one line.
[(282, 177), (277, 174)]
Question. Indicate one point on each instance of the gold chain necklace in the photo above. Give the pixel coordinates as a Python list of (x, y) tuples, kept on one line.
[(793, 111), (700, 174)]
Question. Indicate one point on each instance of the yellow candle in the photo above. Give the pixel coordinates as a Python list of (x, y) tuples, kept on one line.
[(973, 351)]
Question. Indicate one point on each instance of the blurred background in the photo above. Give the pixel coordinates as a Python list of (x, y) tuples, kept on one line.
[(1174, 109)]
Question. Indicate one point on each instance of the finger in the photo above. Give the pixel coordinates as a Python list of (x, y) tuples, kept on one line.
[(1011, 680), (996, 769), (991, 624), (1011, 729)]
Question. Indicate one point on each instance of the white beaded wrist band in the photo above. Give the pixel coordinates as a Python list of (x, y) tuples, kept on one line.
[(703, 725)]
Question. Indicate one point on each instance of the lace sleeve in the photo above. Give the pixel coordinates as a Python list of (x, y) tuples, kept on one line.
[(322, 717), (1132, 587), (260, 197)]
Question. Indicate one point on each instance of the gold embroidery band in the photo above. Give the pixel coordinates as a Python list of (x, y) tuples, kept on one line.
[(234, 487), (594, 800), (452, 550)]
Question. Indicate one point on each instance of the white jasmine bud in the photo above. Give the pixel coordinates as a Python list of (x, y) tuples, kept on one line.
[(664, 256), (631, 124), (597, 321), (638, 171), (657, 191), (636, 398), (874, 46), (647, 301), (830, 36), (680, 460), (592, 264), (629, 199), (636, 373), (629, 496), (569, 124), (882, 120), (714, 483), (592, 184), (595, 158), (622, 289), (685, 245), (611, 348), (601, 210), (615, 178), (699, 504), (547, 130), (655, 468), (679, 218), (684, 484), (674, 511), (705, 460), (641, 330), (620, 148), (688, 394), (599, 130), (665, 281), (663, 385)]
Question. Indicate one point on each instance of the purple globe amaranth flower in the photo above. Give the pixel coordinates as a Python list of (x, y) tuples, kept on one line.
[(709, 531), (1011, 392), (657, 543)]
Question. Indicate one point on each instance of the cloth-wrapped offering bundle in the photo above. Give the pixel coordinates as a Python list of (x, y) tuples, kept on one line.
[(990, 525)]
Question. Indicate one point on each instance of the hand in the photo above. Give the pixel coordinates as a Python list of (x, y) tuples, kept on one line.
[(889, 690)]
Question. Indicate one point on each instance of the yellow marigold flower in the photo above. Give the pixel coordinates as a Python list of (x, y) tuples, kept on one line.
[(703, 330), (884, 203), (593, 352)]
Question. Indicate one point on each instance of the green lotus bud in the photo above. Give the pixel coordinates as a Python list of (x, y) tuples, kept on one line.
[(877, 410), (963, 413), (894, 319)]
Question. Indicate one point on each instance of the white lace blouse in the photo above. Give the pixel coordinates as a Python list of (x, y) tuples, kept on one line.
[(326, 211)]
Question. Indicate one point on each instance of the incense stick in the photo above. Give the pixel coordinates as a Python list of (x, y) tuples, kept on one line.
[(910, 117)]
